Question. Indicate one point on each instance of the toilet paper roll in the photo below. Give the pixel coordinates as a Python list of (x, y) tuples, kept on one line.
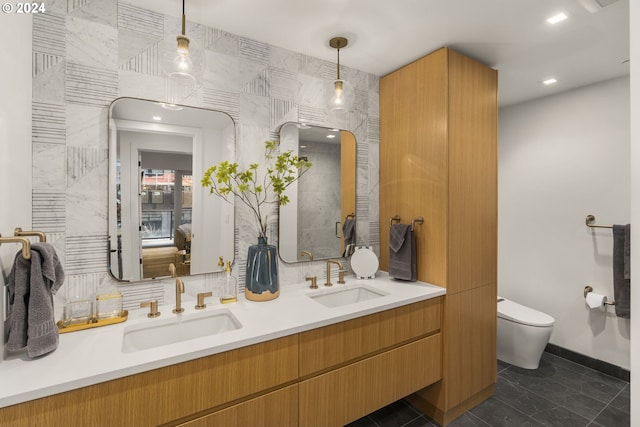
[(595, 300)]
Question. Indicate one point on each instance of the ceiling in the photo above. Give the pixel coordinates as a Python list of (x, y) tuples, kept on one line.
[(511, 36)]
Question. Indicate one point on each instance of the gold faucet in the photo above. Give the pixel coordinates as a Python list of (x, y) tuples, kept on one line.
[(153, 307), (179, 290), (329, 262), (172, 270)]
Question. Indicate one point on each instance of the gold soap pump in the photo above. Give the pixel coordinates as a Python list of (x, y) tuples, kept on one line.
[(229, 290)]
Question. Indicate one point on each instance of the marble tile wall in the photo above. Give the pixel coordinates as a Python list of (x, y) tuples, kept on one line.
[(87, 53)]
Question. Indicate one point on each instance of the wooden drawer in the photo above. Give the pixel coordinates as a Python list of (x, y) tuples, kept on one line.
[(341, 343), (346, 394), (277, 409), (165, 394)]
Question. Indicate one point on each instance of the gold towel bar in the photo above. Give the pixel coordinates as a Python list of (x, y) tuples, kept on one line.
[(26, 244), (41, 236), (590, 219), (396, 218)]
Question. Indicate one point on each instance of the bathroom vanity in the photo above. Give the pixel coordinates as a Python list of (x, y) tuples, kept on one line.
[(307, 358)]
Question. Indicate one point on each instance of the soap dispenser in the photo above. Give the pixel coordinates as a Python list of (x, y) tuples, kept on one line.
[(228, 289)]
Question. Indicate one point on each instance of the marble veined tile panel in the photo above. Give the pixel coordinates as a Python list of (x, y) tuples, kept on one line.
[(86, 201), (48, 167), (86, 126), (220, 41), (48, 211), (90, 85), (101, 12), (138, 85), (86, 253), (92, 44), (140, 21), (48, 122), (222, 71)]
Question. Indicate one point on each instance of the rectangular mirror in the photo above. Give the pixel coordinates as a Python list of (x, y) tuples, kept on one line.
[(323, 201), (159, 214)]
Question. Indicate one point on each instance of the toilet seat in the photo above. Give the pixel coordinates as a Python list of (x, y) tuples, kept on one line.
[(519, 313)]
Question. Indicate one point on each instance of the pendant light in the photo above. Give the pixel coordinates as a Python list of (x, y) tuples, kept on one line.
[(183, 63), (341, 93)]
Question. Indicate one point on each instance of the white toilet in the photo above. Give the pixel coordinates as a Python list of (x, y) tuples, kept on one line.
[(523, 333)]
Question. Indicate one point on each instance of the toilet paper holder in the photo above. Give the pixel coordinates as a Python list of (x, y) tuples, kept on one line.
[(588, 289)]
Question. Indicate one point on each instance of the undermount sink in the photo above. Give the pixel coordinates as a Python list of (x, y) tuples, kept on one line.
[(339, 297), (155, 333)]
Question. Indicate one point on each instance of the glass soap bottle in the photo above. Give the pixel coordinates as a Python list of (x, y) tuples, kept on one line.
[(228, 288)]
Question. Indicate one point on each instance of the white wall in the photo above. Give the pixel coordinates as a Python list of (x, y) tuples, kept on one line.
[(561, 158), (634, 26), (15, 137)]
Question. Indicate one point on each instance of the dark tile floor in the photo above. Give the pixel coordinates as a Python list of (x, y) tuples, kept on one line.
[(559, 393)]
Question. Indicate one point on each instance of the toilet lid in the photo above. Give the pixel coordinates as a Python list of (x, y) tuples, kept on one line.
[(521, 314)]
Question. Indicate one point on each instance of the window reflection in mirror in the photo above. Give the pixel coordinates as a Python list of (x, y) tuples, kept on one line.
[(324, 198), (158, 213)]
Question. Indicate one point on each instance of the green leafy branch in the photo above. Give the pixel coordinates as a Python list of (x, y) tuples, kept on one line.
[(226, 179)]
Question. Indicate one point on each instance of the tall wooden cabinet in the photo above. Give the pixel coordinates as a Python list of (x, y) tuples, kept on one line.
[(438, 160)]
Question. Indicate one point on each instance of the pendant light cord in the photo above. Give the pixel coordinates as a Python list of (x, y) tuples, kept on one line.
[(338, 63), (184, 18)]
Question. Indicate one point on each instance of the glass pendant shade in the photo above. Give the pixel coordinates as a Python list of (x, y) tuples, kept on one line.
[(183, 65), (340, 94), (341, 97)]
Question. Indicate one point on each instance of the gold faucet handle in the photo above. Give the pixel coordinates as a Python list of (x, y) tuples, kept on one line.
[(313, 280), (153, 308), (201, 296), (341, 275), (172, 270)]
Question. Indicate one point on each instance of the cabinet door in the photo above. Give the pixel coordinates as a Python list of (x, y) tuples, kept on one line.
[(277, 409), (414, 160), (344, 342), (346, 394)]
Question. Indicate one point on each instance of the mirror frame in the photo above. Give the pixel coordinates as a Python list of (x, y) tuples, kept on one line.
[(226, 211), (347, 196)]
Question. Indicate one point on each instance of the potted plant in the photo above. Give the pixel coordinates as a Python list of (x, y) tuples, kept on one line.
[(261, 192)]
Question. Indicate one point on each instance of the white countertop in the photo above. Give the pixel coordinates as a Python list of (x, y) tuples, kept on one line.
[(94, 355)]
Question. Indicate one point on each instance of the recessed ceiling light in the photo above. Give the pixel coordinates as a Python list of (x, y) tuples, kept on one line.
[(331, 135), (157, 118), (549, 81), (557, 18)]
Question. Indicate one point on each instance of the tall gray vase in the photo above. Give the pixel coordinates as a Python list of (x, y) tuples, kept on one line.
[(262, 272)]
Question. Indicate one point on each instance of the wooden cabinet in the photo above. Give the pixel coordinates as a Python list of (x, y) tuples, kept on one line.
[(346, 394), (327, 376), (166, 394), (368, 362), (438, 160), (278, 408), (345, 342)]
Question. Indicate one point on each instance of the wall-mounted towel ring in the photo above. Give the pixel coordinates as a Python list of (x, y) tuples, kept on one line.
[(41, 236), (418, 220), (393, 219), (26, 244), (589, 222)]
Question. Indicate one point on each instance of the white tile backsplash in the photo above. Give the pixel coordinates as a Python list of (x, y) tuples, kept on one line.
[(91, 53)]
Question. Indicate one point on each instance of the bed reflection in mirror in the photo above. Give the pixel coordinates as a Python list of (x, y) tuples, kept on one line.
[(322, 200), (160, 217)]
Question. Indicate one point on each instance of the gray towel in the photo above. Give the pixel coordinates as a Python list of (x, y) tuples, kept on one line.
[(627, 251), (621, 286), (32, 284), (349, 234), (402, 252)]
